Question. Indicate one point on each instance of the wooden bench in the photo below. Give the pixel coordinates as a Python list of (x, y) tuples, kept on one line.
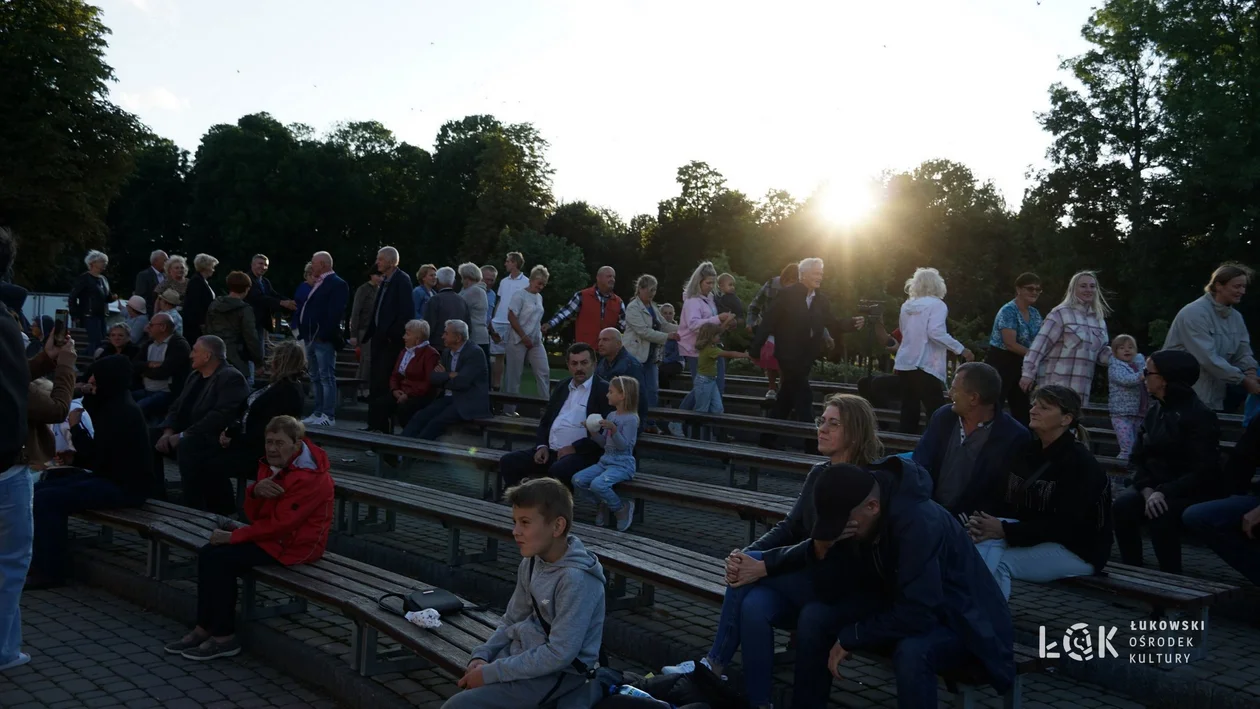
[(351, 587)]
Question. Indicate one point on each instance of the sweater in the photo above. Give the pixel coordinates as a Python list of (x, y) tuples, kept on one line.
[(620, 445), (1217, 337)]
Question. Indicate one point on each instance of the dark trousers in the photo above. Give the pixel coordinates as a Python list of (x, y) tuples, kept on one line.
[(154, 404), (918, 388), (514, 467), (431, 421), (95, 326), (795, 402), (384, 357), (203, 479), (218, 567), (401, 414), (1219, 525), (667, 371), (1010, 366), (1128, 514), (55, 501)]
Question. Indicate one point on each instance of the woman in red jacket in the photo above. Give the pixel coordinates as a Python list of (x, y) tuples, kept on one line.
[(409, 386), (290, 508)]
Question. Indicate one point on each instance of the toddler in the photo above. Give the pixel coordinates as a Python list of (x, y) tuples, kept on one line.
[(1127, 401), (619, 432), (708, 351)]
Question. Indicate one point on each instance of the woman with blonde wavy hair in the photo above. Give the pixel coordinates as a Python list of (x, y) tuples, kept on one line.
[(1072, 340)]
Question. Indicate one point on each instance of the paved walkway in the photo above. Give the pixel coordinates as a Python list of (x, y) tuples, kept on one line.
[(90, 649)]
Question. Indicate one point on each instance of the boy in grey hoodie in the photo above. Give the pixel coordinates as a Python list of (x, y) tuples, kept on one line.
[(554, 624)]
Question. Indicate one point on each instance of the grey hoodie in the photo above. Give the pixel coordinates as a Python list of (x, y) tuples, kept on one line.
[(570, 596)]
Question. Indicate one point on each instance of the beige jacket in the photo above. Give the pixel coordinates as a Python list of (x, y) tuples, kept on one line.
[(639, 335)]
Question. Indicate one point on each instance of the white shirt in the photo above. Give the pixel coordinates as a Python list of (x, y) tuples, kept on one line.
[(924, 337), (529, 312), (157, 353), (507, 288), (570, 424), (408, 354)]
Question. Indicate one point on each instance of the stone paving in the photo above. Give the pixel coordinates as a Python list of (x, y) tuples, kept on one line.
[(90, 649)]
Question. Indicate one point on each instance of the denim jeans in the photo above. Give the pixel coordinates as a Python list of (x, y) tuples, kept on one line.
[(322, 359), (598, 480), (1041, 563), (651, 387), (153, 404), (689, 401), (1219, 525), (17, 531), (708, 397), (55, 501)]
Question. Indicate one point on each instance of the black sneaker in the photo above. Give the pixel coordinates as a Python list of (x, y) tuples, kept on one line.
[(213, 650), (179, 647)]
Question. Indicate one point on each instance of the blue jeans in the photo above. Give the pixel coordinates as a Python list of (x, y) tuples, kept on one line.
[(1219, 525), (707, 394), (322, 359), (651, 387), (598, 480), (55, 501), (152, 403), (689, 401), (17, 531), (1041, 563)]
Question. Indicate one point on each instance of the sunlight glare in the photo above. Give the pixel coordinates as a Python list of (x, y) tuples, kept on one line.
[(846, 203)]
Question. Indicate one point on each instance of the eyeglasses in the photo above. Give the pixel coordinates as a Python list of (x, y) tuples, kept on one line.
[(826, 424), (1148, 373), (1032, 289)]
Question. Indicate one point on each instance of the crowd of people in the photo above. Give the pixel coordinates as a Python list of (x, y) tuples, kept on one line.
[(1003, 468)]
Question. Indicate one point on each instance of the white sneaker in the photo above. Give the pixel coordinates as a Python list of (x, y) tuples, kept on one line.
[(323, 421), (313, 419), (330, 421), (624, 524), (601, 516), (772, 394), (682, 668)]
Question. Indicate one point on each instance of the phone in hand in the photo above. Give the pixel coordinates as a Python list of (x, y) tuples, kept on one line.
[(61, 323)]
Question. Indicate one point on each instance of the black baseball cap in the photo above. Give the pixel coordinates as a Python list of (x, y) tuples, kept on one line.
[(839, 489)]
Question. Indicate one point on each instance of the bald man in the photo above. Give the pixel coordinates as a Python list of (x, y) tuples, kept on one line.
[(594, 308), (390, 314), (319, 321), (616, 361)]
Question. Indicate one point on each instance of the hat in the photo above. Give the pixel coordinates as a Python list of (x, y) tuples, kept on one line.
[(137, 304), (1177, 367), (170, 295), (839, 489)]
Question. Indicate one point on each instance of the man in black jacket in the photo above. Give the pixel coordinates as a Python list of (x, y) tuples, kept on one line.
[(161, 366), (390, 315), (562, 445), (211, 399), (265, 302), (797, 319), (147, 280), (443, 306)]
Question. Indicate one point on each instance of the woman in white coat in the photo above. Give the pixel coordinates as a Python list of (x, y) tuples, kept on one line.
[(647, 331), (925, 341)]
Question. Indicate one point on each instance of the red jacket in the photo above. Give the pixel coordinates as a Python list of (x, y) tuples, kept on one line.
[(292, 528), (416, 384)]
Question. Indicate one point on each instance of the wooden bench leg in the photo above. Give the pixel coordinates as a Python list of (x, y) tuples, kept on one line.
[(489, 485), (365, 659), (617, 599), (753, 471), (456, 557), (167, 570), (730, 473), (252, 610), (639, 506), (370, 525)]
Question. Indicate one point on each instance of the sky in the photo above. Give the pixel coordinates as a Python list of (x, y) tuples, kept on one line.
[(774, 95)]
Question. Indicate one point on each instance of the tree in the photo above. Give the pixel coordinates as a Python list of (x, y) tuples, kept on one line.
[(562, 259), (65, 149), (150, 209)]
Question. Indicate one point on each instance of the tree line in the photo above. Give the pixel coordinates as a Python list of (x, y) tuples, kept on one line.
[(1152, 182)]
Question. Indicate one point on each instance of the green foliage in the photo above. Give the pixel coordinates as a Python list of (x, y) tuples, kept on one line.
[(1156, 333), (562, 259)]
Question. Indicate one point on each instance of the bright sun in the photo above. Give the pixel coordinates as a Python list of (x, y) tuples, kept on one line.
[(847, 202)]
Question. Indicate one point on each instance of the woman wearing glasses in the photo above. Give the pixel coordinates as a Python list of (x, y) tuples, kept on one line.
[(1014, 328)]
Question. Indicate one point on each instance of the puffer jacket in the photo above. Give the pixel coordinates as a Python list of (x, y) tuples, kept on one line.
[(232, 320), (292, 528)]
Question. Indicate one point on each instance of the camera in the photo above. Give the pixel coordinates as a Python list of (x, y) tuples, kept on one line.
[(871, 308)]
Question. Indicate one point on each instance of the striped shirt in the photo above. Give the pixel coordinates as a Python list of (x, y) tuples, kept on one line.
[(1072, 340)]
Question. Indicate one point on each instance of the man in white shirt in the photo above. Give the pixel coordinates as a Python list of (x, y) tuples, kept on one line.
[(562, 446), (499, 326)]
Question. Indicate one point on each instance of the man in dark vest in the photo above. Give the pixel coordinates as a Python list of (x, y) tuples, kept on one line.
[(595, 308)]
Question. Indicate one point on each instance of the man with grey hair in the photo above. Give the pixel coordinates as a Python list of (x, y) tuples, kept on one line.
[(212, 397), (798, 319), (161, 366), (464, 375), (391, 312), (319, 321), (594, 308), (444, 306), (147, 280)]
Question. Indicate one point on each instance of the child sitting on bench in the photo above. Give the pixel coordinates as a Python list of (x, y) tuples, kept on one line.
[(619, 432)]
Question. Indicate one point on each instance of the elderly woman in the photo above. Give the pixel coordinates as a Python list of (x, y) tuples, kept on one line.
[(1176, 460), (1014, 328), (409, 387), (290, 511), (1072, 340), (176, 276), (198, 296), (699, 309), (1212, 329), (925, 341), (89, 298), (118, 342), (361, 314), (426, 288), (524, 340), (474, 293), (1055, 521), (647, 331), (137, 318)]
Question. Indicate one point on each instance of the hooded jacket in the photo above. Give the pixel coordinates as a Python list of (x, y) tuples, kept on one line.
[(1177, 449), (570, 596), (925, 564), (119, 431), (292, 528), (232, 320), (924, 337)]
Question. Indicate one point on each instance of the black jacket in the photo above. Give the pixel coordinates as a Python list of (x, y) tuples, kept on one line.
[(89, 296), (926, 566), (264, 300), (1177, 451), (392, 311), (196, 302), (146, 287), (794, 528), (798, 327), (987, 487), (174, 367), (445, 305), (1244, 460), (1068, 502), (281, 398), (14, 382), (596, 404), (120, 431), (217, 404)]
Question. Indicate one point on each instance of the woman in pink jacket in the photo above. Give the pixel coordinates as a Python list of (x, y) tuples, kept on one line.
[(699, 310)]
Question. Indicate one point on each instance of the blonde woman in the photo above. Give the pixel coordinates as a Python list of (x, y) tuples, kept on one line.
[(925, 341), (647, 331), (1072, 340), (176, 276), (198, 296)]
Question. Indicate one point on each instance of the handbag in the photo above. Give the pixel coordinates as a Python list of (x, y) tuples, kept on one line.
[(444, 602)]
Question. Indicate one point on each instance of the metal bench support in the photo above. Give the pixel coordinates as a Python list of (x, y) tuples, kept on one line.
[(252, 610), (455, 557), (165, 569), (617, 599), (365, 659), (369, 525)]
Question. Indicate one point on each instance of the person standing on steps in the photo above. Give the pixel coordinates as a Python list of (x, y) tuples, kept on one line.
[(320, 323), (595, 308), (390, 314), (499, 326), (1014, 328), (925, 342)]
